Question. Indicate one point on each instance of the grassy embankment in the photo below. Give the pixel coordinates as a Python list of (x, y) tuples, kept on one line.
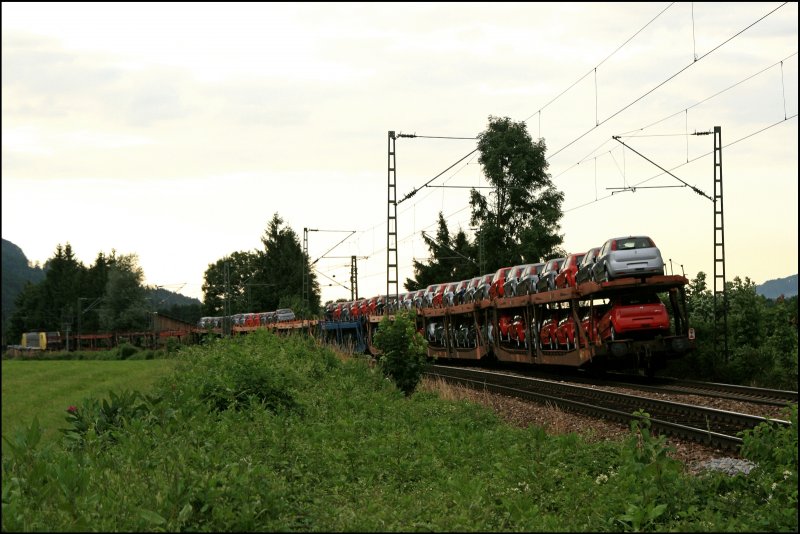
[(267, 434)]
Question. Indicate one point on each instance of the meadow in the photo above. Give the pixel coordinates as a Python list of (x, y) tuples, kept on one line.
[(45, 389), (262, 433)]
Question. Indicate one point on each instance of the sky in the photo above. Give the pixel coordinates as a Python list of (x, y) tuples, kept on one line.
[(175, 131)]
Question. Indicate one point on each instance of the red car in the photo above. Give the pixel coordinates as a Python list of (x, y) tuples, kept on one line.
[(504, 324), (547, 333), (589, 324), (511, 329), (566, 332), (566, 276), (634, 315), (497, 285), (518, 330), (438, 295)]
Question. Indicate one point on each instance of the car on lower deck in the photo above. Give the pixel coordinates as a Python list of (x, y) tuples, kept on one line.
[(634, 315)]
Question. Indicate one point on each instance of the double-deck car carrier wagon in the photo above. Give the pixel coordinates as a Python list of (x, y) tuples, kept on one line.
[(512, 329)]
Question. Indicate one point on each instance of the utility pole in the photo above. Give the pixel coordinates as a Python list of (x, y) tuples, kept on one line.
[(391, 223), (78, 335), (304, 267), (353, 278), (226, 303), (720, 330)]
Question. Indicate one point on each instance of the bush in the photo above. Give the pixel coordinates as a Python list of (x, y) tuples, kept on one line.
[(403, 351), (126, 350)]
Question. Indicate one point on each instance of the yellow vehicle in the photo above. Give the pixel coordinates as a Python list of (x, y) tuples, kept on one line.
[(41, 340)]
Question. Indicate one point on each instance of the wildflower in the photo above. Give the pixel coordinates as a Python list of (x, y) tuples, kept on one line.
[(602, 478), (774, 485), (786, 474), (72, 409)]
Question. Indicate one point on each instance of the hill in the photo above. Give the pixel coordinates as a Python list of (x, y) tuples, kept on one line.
[(17, 271), (780, 286)]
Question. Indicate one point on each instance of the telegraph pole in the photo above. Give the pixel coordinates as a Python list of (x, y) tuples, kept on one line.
[(720, 327), (391, 224)]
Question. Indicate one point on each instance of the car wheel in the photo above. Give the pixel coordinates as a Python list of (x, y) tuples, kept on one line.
[(613, 333)]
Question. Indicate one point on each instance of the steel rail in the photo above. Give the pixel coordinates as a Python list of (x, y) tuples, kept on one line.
[(714, 427)]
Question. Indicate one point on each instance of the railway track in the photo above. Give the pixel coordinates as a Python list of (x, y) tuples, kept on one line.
[(710, 426), (772, 397)]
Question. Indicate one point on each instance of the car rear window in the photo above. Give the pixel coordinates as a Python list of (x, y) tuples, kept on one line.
[(632, 300), (634, 242)]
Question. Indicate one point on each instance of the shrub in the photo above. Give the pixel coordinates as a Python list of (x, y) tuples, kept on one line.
[(240, 372), (126, 350), (101, 417), (403, 351)]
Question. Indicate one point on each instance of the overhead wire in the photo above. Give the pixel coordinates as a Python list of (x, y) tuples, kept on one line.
[(668, 79)]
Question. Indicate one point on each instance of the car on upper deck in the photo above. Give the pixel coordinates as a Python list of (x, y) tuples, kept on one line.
[(482, 287), (547, 278), (566, 275), (497, 285), (620, 257), (512, 280), (427, 297), (584, 273), (528, 279)]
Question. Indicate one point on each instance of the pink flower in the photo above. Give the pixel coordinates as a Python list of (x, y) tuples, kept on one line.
[(72, 410)]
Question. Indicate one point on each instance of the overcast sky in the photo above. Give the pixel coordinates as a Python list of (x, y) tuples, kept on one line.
[(176, 131)]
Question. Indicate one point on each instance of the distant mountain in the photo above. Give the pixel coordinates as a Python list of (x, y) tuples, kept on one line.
[(164, 298), (775, 288), (17, 271)]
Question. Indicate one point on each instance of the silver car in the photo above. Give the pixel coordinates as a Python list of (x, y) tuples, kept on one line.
[(285, 314), (547, 276), (528, 279), (512, 280), (627, 256), (469, 292)]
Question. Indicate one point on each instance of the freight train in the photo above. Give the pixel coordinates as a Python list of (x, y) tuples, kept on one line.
[(550, 314)]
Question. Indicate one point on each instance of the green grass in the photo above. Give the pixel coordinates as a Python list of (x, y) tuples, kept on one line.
[(264, 434), (45, 389)]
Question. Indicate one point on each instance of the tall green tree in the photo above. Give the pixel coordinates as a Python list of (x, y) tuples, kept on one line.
[(263, 280), (519, 219), (242, 268), (124, 307), (452, 258), (283, 264)]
